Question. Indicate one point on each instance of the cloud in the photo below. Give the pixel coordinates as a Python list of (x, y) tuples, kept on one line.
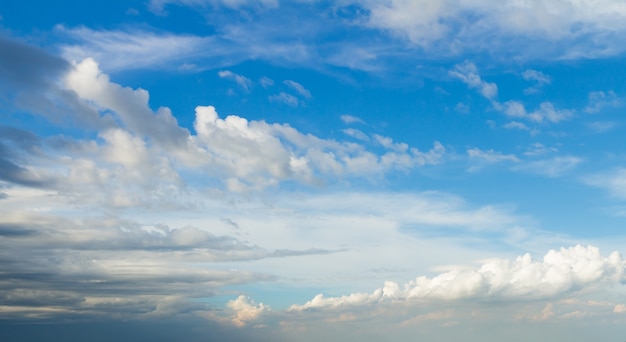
[(131, 106), (158, 6), (242, 81), (462, 108), (559, 273), (545, 112), (355, 133), (539, 149), (28, 67), (613, 181), (599, 100), (578, 29), (538, 77), (491, 156), (479, 158), (246, 310), (350, 119), (285, 98), (601, 126), (468, 73), (244, 154), (419, 21), (298, 88), (554, 167), (619, 308), (516, 125), (31, 83), (120, 50), (266, 82)]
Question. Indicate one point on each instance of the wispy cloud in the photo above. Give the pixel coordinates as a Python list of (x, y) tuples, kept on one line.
[(134, 49), (613, 181), (299, 88), (553, 167), (349, 119), (285, 98), (242, 81), (538, 77), (468, 73), (599, 100)]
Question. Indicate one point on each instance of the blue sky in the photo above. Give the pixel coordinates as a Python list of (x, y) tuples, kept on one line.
[(306, 170)]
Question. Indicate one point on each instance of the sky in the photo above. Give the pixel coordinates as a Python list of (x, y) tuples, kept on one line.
[(236, 170)]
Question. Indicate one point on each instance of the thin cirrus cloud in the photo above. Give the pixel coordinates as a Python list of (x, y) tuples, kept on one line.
[(299, 88), (136, 49), (435, 24)]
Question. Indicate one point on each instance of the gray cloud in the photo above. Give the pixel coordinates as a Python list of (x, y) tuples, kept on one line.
[(26, 66)]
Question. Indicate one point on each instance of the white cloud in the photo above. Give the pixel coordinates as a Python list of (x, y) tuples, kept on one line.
[(468, 73), (246, 310), (388, 143), (131, 106), (598, 100), (158, 6), (516, 125), (619, 308), (545, 112), (540, 80), (242, 81), (349, 119), (462, 108), (559, 273), (554, 167), (243, 154), (539, 149), (491, 156), (299, 88), (601, 126), (120, 50), (614, 182), (537, 76), (266, 82), (355, 133), (586, 28), (285, 98), (419, 21)]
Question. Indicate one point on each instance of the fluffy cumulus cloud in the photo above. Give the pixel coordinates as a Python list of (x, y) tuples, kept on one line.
[(254, 154), (246, 310), (574, 269)]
